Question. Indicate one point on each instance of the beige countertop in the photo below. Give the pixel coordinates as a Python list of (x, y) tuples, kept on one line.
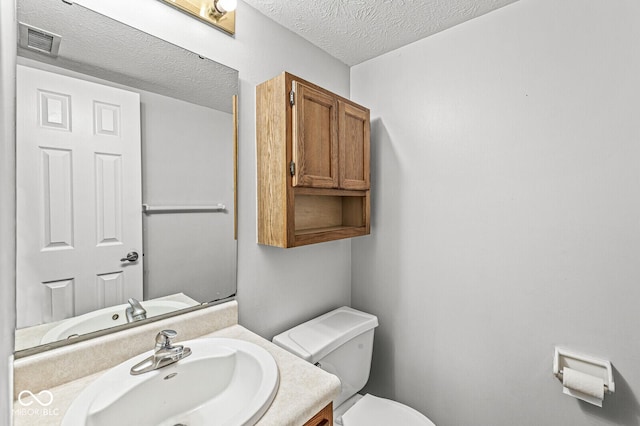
[(303, 390)]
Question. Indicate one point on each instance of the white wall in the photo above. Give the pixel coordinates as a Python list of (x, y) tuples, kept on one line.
[(506, 213), (187, 153)]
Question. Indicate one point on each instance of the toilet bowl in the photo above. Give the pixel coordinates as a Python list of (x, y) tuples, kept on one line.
[(341, 342), (373, 410)]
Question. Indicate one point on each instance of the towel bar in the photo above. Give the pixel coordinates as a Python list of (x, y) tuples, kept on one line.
[(147, 209)]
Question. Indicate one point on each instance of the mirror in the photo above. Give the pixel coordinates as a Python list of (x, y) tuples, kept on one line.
[(182, 251)]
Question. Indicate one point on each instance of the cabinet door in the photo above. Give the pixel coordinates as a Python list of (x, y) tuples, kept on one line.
[(354, 146), (315, 137), (324, 417)]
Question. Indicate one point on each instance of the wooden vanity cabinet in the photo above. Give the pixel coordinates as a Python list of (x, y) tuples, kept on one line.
[(313, 150), (323, 418)]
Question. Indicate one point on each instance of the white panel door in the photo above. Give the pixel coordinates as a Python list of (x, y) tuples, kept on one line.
[(78, 196)]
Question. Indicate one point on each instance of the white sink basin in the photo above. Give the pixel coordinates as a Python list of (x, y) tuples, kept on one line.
[(106, 318), (223, 382)]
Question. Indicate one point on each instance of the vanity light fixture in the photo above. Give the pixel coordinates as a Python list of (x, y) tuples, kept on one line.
[(220, 8), (219, 13)]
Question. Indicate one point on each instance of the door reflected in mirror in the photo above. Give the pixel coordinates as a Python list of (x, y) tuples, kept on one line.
[(114, 120)]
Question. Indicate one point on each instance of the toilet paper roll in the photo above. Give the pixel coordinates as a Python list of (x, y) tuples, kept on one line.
[(583, 386)]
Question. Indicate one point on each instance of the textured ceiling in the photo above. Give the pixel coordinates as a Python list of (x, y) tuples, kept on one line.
[(356, 30), (104, 48)]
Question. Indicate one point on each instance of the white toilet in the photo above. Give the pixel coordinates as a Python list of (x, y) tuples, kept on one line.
[(341, 342)]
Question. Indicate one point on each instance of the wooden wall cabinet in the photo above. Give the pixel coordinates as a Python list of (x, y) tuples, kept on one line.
[(313, 150)]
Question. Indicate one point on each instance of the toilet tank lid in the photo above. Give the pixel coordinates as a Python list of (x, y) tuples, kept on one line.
[(316, 338)]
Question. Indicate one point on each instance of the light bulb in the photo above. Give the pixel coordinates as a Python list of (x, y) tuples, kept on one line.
[(225, 6)]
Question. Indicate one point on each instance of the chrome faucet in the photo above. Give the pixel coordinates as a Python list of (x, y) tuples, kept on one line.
[(165, 354), (135, 312)]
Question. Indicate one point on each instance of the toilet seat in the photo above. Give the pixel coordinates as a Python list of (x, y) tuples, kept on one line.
[(374, 411)]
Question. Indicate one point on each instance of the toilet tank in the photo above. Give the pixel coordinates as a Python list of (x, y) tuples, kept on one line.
[(340, 342)]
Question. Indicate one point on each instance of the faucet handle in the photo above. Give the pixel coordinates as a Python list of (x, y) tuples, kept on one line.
[(164, 339)]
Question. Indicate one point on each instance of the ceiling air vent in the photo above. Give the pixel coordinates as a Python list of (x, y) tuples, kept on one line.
[(41, 41)]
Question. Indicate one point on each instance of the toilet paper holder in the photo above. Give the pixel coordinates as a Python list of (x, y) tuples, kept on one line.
[(585, 364)]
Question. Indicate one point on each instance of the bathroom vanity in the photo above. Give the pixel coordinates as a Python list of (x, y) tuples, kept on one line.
[(304, 395)]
